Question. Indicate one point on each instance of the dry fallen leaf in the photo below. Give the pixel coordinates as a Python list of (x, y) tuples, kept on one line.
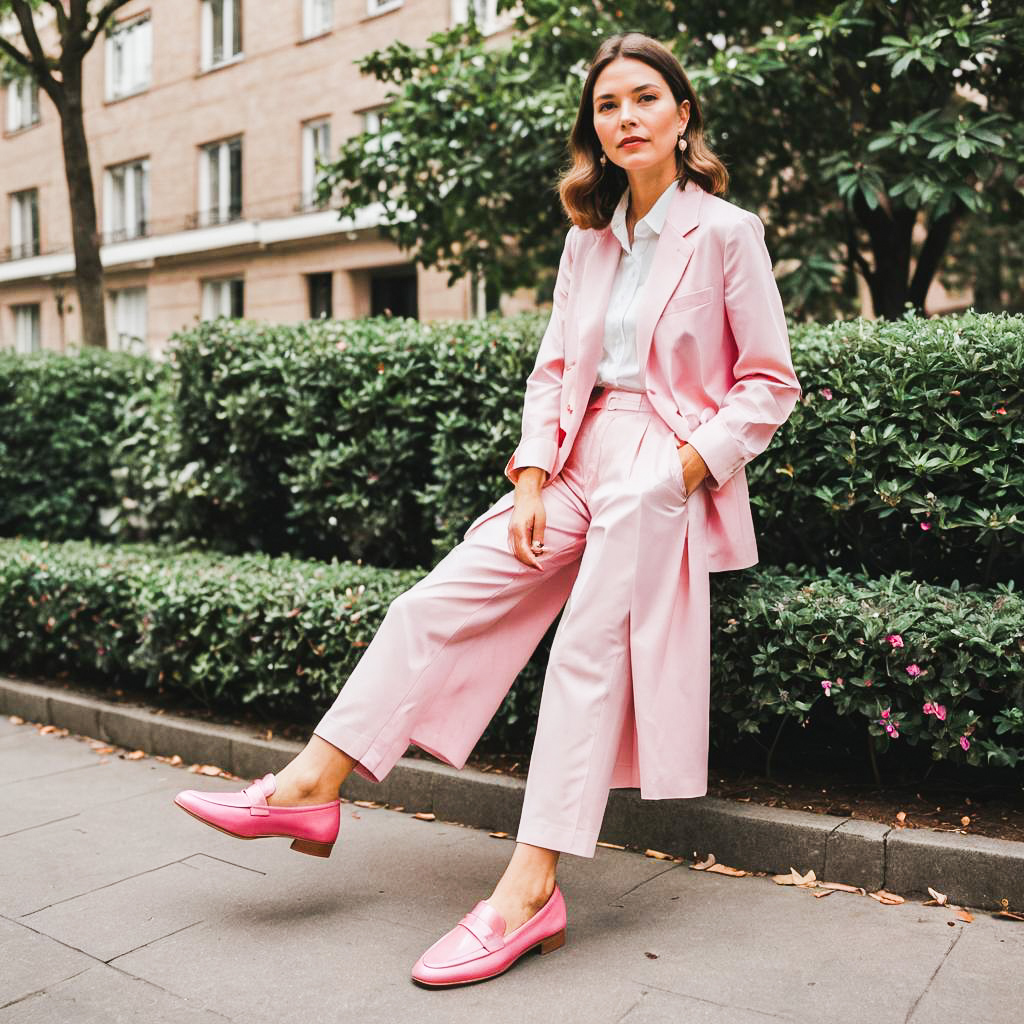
[(135, 755), (611, 846), (366, 803), (965, 915), (843, 887), (499, 835), (889, 898), (425, 815), (205, 769), (651, 956), (104, 750), (794, 878), (1006, 912), (723, 869), (657, 855), (15, 720), (938, 899), (47, 729), (703, 865)]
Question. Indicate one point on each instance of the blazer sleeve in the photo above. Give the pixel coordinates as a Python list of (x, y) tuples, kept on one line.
[(766, 388), (542, 405)]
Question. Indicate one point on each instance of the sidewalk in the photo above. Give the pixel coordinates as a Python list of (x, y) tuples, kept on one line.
[(116, 905)]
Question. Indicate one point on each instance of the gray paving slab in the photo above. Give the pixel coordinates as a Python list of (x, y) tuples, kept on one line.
[(33, 962), (105, 995), (125, 908)]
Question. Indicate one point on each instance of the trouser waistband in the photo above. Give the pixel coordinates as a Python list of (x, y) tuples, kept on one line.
[(619, 398)]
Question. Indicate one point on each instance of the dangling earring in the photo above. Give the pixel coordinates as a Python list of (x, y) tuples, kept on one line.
[(682, 144), (604, 159)]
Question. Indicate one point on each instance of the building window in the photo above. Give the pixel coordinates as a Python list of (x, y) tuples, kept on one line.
[(222, 32), (380, 6), (126, 201), (22, 103), (316, 145), (375, 122), (26, 328), (224, 298), (128, 317), (220, 182), (129, 57), (25, 224), (320, 305), (317, 17)]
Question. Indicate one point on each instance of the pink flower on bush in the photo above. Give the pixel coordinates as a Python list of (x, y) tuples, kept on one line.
[(895, 640), (826, 393), (964, 742), (867, 682), (826, 685), (1001, 411), (892, 727), (926, 526), (913, 670), (938, 710)]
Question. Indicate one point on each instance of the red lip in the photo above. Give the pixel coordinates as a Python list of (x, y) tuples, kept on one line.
[(632, 138)]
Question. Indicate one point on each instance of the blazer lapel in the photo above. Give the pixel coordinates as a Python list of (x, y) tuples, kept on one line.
[(671, 255)]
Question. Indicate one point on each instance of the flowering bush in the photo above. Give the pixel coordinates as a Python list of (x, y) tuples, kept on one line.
[(919, 664), (281, 635)]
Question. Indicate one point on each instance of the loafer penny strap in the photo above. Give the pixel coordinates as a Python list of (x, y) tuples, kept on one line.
[(257, 795), (486, 925)]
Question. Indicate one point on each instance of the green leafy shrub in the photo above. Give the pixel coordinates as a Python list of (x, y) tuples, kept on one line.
[(282, 635)]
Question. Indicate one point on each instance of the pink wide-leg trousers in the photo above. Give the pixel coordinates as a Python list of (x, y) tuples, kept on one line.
[(624, 555)]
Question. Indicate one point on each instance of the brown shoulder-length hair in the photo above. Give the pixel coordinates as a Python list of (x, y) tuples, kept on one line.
[(589, 190)]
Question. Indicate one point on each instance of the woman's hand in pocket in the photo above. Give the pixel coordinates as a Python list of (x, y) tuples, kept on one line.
[(694, 468)]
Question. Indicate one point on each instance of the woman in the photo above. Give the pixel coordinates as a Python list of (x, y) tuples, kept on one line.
[(664, 369)]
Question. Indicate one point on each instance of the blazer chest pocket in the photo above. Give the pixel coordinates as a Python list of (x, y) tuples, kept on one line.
[(689, 300)]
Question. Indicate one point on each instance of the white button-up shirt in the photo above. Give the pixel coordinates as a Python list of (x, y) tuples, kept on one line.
[(619, 366)]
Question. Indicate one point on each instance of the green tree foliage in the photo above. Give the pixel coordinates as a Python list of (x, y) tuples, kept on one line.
[(877, 136)]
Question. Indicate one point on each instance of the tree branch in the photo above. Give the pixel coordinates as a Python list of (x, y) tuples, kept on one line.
[(15, 54), (102, 17), (62, 18), (39, 63)]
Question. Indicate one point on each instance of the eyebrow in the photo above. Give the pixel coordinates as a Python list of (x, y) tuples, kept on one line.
[(611, 95)]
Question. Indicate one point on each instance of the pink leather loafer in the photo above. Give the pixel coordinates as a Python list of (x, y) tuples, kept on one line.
[(246, 815), (478, 948)]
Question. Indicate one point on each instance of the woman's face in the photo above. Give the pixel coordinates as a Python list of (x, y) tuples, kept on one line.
[(631, 98)]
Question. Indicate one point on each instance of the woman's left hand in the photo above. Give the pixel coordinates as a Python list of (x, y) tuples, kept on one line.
[(694, 468)]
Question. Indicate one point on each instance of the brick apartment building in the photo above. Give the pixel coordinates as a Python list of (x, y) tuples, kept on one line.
[(204, 118)]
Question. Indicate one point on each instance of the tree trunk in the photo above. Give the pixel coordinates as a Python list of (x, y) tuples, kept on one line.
[(890, 231), (78, 171)]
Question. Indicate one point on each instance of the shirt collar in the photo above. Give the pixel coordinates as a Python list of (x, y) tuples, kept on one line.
[(648, 226)]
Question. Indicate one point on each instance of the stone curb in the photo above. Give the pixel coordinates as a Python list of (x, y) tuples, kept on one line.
[(972, 871)]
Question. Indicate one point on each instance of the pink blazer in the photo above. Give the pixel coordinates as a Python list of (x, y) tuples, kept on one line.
[(712, 334)]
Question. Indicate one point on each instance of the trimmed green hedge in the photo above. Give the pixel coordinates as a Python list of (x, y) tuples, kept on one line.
[(60, 417), (282, 635), (905, 452), (382, 439)]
